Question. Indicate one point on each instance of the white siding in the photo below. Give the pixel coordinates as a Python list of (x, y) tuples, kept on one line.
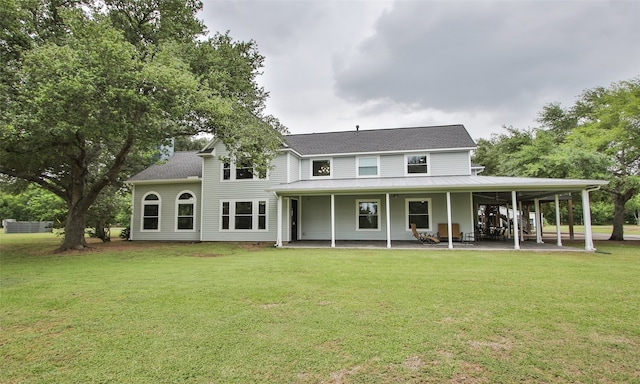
[(316, 216), (168, 194), (392, 165), (344, 167), (294, 167), (240, 190), (450, 164)]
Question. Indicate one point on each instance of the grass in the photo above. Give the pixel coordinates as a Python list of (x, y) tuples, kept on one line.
[(224, 313), (629, 229)]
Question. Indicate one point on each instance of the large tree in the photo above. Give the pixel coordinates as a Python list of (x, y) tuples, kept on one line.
[(608, 123), (598, 137), (90, 86)]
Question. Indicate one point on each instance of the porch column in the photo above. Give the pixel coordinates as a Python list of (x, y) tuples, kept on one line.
[(586, 214), (516, 225), (474, 213), (388, 221), (536, 203), (508, 223), (279, 222), (558, 232), (333, 221), (520, 214), (449, 226)]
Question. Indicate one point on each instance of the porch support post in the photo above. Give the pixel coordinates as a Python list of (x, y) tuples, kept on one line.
[(474, 213), (508, 223), (558, 232), (586, 214), (516, 225), (449, 226), (520, 214), (279, 222), (536, 203), (333, 221), (388, 220)]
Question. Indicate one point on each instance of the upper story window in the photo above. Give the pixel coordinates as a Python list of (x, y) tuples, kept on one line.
[(185, 211), (151, 212), (241, 171), (417, 164), (368, 166), (321, 168)]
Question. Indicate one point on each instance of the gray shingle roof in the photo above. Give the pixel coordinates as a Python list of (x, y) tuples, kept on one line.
[(382, 140), (180, 166)]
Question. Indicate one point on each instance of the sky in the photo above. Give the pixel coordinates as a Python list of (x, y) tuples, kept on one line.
[(331, 65)]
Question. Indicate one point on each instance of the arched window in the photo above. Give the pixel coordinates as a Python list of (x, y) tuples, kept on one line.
[(151, 212), (185, 211)]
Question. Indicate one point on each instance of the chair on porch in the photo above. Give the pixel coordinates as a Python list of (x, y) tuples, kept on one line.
[(423, 237), (443, 232)]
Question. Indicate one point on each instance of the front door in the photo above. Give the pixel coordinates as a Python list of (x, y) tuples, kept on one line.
[(294, 220)]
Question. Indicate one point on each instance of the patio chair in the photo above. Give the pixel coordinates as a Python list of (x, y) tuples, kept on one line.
[(423, 237), (443, 232)]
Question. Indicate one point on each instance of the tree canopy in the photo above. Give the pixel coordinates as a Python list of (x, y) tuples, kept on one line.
[(90, 87), (598, 137)]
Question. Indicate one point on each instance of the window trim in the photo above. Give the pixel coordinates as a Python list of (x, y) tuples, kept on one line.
[(233, 172), (193, 201), (376, 157), (144, 203), (329, 176), (255, 215), (379, 204), (406, 213), (406, 164)]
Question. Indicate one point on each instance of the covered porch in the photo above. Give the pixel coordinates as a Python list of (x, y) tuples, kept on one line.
[(318, 213)]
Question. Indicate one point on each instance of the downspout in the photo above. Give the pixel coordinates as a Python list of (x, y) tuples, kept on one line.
[(133, 210), (558, 232), (449, 226)]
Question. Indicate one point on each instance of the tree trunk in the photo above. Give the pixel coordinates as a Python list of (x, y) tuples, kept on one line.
[(619, 200), (74, 230)]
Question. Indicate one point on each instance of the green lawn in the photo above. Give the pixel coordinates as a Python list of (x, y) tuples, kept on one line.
[(603, 229), (220, 313)]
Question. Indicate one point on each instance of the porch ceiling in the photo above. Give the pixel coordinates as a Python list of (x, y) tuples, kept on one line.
[(526, 187)]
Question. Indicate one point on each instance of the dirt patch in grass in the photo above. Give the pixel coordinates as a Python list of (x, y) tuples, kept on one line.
[(413, 363), (470, 373), (207, 254)]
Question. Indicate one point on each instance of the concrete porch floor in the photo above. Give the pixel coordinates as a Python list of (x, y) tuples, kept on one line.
[(549, 245)]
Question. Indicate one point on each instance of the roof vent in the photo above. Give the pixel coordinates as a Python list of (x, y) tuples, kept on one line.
[(357, 129)]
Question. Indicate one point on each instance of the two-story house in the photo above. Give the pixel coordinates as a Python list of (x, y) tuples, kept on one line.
[(352, 185)]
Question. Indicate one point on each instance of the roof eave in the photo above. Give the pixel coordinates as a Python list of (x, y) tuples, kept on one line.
[(190, 179)]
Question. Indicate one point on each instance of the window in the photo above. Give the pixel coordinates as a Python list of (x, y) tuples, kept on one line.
[(151, 212), (418, 212), (368, 215), (367, 166), (225, 215), (417, 164), (321, 168), (226, 171), (243, 171), (243, 215), (185, 211), (262, 215)]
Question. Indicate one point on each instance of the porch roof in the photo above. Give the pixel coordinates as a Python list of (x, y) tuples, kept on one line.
[(537, 187)]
